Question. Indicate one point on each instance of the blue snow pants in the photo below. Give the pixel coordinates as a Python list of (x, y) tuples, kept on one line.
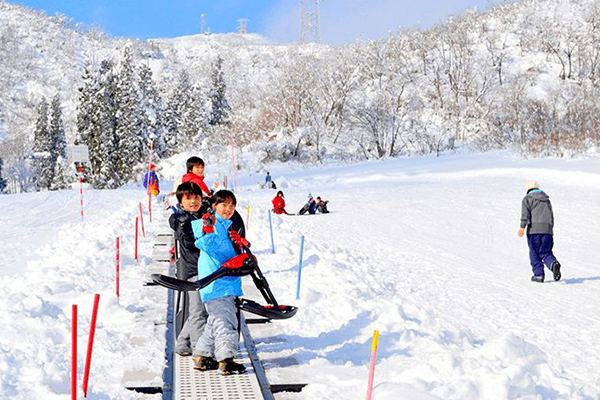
[(540, 252)]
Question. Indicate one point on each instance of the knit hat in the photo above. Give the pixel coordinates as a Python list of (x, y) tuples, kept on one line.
[(531, 185), (310, 196)]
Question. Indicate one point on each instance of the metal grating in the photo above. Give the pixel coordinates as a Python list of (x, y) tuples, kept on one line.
[(191, 384)]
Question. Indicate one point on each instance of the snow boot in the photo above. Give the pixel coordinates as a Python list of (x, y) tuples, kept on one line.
[(539, 279), (556, 270), (228, 367), (205, 363)]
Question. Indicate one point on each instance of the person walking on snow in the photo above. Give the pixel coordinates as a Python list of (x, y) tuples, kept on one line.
[(537, 217)]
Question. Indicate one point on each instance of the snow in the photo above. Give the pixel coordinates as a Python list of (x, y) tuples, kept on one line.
[(424, 249)]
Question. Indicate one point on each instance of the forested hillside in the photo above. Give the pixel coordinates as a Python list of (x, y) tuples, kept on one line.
[(523, 75)]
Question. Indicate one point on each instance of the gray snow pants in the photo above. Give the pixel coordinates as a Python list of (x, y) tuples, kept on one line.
[(194, 324), (220, 337)]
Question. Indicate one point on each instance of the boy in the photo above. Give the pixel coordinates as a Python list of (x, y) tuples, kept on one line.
[(189, 197), (195, 173), (219, 340), (310, 206), (538, 218), (322, 205), (151, 180)]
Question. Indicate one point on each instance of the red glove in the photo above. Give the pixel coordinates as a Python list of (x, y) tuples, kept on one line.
[(208, 223), (235, 262), (237, 239)]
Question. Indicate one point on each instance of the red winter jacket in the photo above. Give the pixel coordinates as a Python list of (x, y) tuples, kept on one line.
[(279, 205), (198, 180)]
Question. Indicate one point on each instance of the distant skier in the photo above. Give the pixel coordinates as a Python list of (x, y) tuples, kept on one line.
[(322, 205), (310, 206), (279, 204), (151, 180), (538, 218)]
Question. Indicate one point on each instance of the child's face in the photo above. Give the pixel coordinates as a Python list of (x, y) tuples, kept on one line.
[(198, 170), (191, 202), (225, 209)]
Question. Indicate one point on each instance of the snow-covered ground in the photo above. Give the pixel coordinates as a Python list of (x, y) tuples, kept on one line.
[(422, 249)]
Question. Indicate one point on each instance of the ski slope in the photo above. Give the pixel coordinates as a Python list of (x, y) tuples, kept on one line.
[(424, 249)]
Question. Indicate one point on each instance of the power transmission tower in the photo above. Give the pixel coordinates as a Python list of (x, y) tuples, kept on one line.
[(310, 21), (202, 23), (242, 25)]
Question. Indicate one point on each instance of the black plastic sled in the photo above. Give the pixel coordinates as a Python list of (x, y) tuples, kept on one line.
[(249, 267)]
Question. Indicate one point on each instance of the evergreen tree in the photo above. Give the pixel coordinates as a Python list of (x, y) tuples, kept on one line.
[(106, 159), (151, 111), (42, 149), (58, 151), (88, 129), (175, 115), (2, 180), (196, 119), (128, 122), (218, 102)]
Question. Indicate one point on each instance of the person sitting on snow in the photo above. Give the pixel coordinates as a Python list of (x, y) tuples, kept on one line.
[(279, 204), (310, 206), (322, 205), (151, 180)]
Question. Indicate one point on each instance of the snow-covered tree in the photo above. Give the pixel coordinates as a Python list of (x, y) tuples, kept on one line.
[(219, 106), (2, 180), (58, 150), (42, 149), (106, 159), (176, 115), (131, 138), (151, 112)]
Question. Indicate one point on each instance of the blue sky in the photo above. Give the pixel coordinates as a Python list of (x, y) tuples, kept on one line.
[(342, 21)]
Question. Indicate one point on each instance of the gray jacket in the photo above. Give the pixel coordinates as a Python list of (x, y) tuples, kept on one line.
[(536, 213)]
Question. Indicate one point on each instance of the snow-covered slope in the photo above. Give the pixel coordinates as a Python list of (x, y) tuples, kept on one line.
[(424, 250)]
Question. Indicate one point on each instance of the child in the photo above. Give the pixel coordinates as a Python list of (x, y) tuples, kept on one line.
[(310, 206), (279, 204), (195, 173), (322, 205), (151, 180), (189, 197), (538, 218), (219, 340), (269, 184)]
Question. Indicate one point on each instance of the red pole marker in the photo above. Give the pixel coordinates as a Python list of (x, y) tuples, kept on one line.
[(88, 359), (150, 206), (136, 238), (142, 220), (372, 367), (74, 353), (117, 274), (81, 189)]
